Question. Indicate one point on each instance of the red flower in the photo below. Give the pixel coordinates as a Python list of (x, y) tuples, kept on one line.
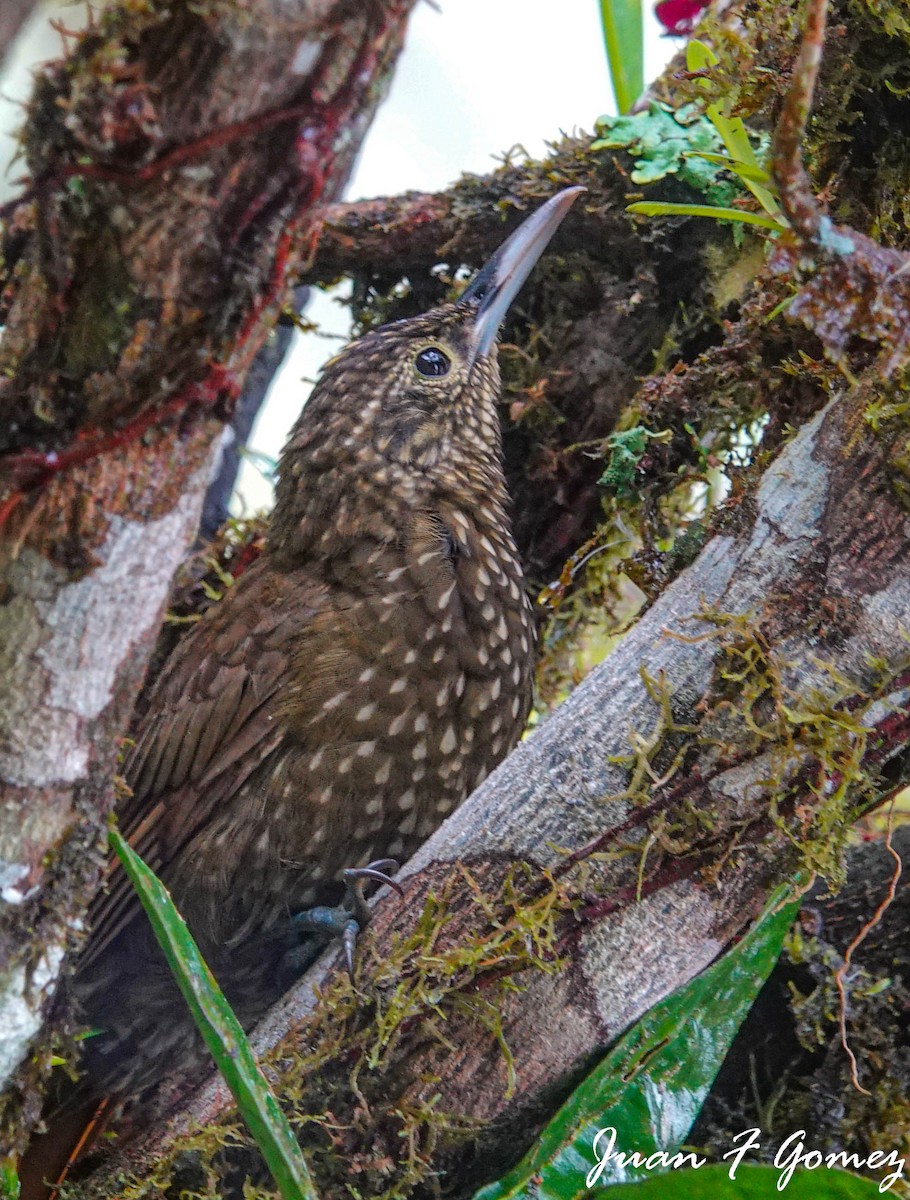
[(678, 17)]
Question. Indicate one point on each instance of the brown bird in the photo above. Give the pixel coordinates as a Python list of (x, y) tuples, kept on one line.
[(353, 687)]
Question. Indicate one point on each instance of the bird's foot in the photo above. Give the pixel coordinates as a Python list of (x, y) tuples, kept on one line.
[(350, 917)]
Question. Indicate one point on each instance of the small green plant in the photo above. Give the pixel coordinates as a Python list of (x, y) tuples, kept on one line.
[(740, 159), (627, 448), (622, 26)]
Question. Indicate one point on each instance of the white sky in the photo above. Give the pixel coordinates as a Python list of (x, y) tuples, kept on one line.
[(475, 79)]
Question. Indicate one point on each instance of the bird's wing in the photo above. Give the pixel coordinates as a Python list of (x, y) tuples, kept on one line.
[(211, 720)]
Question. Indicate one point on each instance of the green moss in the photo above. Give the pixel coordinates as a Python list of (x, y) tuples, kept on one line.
[(343, 1072), (626, 449)]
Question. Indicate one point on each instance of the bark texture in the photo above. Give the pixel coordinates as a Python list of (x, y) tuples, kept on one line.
[(176, 157)]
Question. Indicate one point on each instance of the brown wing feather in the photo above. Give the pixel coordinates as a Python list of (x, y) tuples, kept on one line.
[(211, 720)]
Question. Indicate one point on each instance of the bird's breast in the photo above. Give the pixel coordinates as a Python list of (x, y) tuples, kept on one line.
[(414, 682)]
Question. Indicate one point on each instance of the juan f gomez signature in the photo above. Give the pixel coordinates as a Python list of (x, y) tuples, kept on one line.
[(791, 1154)]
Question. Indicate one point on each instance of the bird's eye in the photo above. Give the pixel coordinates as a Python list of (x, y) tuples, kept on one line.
[(433, 362)]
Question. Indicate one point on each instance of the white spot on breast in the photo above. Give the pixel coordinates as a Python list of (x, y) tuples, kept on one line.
[(382, 775), (365, 749), (317, 836), (345, 765), (325, 795), (373, 806), (420, 723), (397, 685), (516, 674), (396, 726), (406, 800), (516, 707), (419, 751), (395, 848), (444, 599), (364, 714), (442, 696), (483, 656), (445, 804), (410, 657), (484, 576), (439, 654), (367, 675), (316, 760), (496, 688), (488, 612), (334, 702), (448, 741)]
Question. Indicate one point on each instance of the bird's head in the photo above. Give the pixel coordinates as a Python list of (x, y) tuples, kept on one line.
[(413, 404)]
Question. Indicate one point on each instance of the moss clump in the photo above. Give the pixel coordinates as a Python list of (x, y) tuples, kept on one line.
[(342, 1073)]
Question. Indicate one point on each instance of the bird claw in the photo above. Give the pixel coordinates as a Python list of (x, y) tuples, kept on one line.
[(347, 920)]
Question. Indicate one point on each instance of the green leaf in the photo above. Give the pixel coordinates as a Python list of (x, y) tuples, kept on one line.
[(752, 1182), (221, 1030), (658, 208), (9, 1180), (622, 26), (756, 174), (652, 1084), (731, 130)]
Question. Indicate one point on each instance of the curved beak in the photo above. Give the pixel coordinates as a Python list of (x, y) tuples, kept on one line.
[(497, 284)]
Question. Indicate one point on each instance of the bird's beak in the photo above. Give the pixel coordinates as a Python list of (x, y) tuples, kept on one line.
[(498, 283)]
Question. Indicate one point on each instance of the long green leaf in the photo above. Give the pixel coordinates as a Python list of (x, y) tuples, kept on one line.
[(751, 1182), (756, 174), (732, 131), (622, 26), (652, 1084), (659, 208), (221, 1030)]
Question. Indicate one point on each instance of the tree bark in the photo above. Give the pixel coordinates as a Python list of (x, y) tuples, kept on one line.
[(176, 158), (13, 16)]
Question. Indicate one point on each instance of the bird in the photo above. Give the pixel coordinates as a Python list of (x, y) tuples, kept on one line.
[(347, 693)]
